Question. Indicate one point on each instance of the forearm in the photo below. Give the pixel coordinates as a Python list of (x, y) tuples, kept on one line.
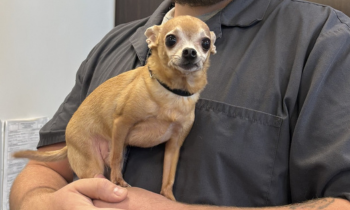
[(33, 186), (323, 203)]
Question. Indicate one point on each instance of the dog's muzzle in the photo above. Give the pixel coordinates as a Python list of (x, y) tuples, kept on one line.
[(189, 59), (189, 54)]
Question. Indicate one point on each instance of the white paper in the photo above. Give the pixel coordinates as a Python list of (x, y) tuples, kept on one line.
[(1, 159), (19, 135)]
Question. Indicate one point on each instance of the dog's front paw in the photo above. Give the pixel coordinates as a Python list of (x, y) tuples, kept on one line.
[(168, 194), (120, 182)]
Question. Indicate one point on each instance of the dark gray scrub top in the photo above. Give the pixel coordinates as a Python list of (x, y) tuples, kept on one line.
[(272, 126)]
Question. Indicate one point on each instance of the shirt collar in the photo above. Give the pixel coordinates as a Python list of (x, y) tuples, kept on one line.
[(169, 15), (244, 13), (238, 13)]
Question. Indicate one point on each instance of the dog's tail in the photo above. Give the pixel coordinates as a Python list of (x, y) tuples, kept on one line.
[(44, 156)]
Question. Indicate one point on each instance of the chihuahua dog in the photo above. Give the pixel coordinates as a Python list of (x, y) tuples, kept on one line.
[(143, 107)]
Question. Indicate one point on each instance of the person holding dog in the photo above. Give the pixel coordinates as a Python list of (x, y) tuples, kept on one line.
[(271, 127)]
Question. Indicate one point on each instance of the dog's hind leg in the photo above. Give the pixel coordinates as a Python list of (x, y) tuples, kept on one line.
[(85, 159)]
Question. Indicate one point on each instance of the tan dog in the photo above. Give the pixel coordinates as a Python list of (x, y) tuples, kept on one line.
[(143, 107)]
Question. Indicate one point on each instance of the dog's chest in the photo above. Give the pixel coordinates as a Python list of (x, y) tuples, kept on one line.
[(159, 127), (152, 132)]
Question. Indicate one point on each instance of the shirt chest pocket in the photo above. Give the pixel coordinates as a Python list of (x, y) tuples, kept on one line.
[(228, 157)]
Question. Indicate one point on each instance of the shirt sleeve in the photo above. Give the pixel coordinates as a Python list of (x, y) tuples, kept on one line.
[(320, 147), (54, 131), (100, 65)]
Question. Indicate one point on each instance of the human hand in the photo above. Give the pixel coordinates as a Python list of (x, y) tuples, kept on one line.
[(79, 194), (138, 199)]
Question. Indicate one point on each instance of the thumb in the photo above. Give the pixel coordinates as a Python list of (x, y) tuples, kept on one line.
[(100, 189)]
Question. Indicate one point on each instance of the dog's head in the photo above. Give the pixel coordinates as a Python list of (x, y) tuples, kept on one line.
[(183, 43)]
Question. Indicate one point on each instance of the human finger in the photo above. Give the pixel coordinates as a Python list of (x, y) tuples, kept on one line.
[(100, 189)]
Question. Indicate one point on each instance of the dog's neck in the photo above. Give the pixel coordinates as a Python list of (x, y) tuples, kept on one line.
[(178, 92)]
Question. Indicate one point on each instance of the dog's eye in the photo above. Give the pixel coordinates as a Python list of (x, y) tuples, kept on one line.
[(206, 44), (170, 40)]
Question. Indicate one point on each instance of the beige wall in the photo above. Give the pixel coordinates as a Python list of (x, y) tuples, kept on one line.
[(42, 44)]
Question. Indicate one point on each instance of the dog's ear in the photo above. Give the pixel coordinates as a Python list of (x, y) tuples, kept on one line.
[(152, 36), (213, 38)]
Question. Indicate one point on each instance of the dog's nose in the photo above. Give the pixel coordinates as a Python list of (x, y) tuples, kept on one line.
[(189, 53)]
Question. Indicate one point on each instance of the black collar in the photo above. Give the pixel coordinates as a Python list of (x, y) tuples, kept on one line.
[(175, 91)]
